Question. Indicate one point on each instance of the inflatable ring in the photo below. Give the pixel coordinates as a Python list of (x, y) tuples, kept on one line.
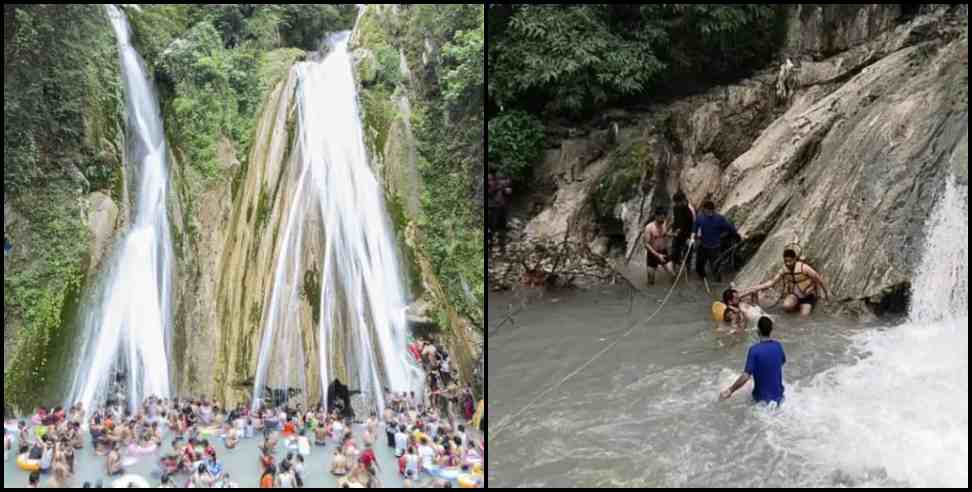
[(449, 473), (478, 470), (209, 431), (718, 311), (421, 435), (473, 457), (28, 465), (130, 481), (468, 482), (140, 451)]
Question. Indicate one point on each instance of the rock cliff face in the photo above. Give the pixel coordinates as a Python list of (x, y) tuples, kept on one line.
[(389, 111), (227, 265), (230, 245), (847, 160), (226, 230)]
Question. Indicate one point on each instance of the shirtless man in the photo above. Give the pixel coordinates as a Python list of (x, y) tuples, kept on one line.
[(339, 467), (801, 281), (656, 238), (114, 461), (320, 434), (232, 438)]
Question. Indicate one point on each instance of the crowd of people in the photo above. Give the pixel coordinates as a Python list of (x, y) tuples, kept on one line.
[(669, 240), (431, 449), (442, 391)]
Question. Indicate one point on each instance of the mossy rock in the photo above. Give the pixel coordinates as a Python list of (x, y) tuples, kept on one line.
[(41, 293), (366, 65), (370, 33), (379, 113), (620, 184), (312, 292)]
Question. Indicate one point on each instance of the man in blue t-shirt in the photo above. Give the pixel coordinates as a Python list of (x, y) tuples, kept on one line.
[(765, 365), (710, 226)]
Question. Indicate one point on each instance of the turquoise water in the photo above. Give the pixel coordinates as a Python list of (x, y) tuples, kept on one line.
[(242, 464), (867, 405), (646, 414)]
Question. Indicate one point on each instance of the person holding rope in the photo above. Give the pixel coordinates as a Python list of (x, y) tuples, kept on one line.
[(683, 218), (709, 228), (656, 247)]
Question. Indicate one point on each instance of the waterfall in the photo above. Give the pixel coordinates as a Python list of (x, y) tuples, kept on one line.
[(900, 414), (126, 332), (362, 296)]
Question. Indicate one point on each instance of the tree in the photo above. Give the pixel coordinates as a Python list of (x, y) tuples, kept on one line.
[(575, 57)]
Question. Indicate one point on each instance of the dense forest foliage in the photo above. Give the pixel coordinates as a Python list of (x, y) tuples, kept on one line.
[(570, 60), (443, 47), (214, 63)]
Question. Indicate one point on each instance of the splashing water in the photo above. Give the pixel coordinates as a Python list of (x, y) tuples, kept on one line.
[(900, 414), (126, 334), (362, 295)]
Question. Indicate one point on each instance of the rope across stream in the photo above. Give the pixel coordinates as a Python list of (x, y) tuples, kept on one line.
[(504, 424)]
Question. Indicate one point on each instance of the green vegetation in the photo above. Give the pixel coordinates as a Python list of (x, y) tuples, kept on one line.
[(37, 289), (451, 222), (378, 111), (63, 107), (515, 143), (566, 61), (213, 65), (61, 95), (389, 73), (312, 293), (447, 121), (569, 58), (628, 163), (462, 72)]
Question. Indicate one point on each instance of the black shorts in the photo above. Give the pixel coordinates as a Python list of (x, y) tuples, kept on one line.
[(652, 260), (680, 248), (810, 299), (496, 219)]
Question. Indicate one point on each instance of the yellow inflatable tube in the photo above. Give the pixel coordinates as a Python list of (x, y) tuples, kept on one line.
[(26, 464), (718, 311), (468, 482)]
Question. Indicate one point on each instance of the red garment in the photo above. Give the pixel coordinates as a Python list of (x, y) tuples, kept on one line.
[(266, 482), (289, 429), (266, 461), (413, 348), (367, 458), (401, 465)]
